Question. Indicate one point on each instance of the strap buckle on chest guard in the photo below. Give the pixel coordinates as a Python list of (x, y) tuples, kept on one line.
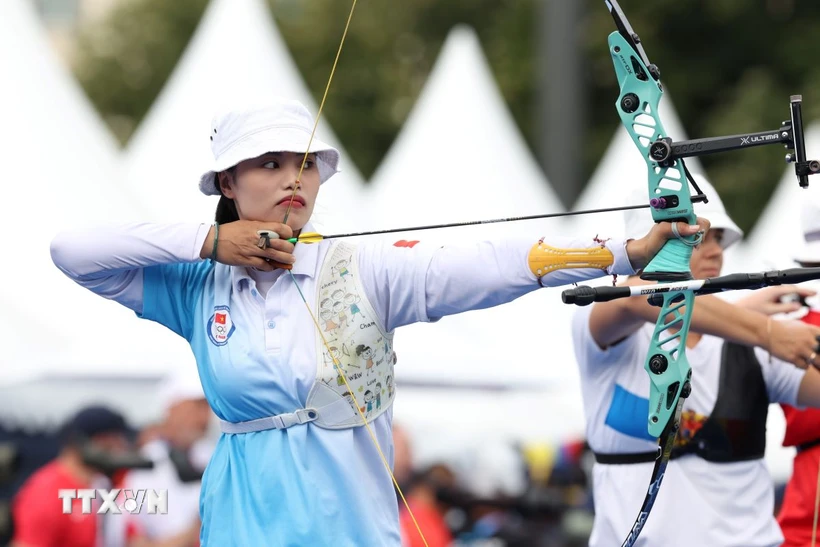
[(280, 421)]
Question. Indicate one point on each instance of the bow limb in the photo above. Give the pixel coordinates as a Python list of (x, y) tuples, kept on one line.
[(336, 363), (670, 200), (665, 444), (669, 375), (668, 368)]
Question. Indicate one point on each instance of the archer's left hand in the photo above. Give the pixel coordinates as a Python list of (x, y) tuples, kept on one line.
[(642, 251)]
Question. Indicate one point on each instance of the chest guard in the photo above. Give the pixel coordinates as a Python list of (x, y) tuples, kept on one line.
[(362, 349), (358, 342)]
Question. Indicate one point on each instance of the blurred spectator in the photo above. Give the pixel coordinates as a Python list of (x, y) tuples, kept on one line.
[(92, 444), (798, 512), (402, 456), (149, 433), (421, 497), (494, 478), (180, 450)]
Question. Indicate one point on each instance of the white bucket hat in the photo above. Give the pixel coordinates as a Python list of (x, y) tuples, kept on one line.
[(810, 252), (638, 222), (278, 125)]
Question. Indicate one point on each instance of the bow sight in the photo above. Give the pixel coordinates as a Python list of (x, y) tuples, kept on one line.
[(664, 151)]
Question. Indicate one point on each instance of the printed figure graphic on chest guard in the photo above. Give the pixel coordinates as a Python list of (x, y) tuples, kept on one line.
[(366, 356)]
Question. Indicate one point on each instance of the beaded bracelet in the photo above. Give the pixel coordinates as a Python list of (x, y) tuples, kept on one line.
[(216, 240)]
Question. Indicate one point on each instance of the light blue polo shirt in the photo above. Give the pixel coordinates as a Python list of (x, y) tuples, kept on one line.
[(257, 357)]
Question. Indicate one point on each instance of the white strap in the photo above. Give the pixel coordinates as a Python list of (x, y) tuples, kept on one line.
[(281, 421), (695, 243)]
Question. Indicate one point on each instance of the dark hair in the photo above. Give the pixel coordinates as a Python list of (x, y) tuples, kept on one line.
[(91, 421), (226, 208)]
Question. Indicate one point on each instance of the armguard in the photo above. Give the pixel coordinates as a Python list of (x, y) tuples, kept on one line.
[(544, 259)]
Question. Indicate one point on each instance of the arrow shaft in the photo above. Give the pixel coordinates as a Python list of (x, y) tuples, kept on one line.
[(490, 221)]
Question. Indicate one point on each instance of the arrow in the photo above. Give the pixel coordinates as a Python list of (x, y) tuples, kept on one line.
[(313, 237)]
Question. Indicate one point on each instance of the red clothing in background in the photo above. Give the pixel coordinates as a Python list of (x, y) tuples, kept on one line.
[(796, 517), (430, 521), (38, 512)]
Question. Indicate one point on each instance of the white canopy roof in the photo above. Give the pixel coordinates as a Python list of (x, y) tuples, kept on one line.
[(778, 234), (236, 54), (461, 157), (62, 174)]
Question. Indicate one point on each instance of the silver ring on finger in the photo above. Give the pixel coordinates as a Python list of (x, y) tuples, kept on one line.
[(264, 238), (693, 243)]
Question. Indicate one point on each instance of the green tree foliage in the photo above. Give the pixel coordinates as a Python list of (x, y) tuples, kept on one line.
[(729, 65), (124, 62), (389, 52)]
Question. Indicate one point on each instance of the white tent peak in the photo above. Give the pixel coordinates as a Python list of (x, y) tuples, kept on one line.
[(778, 233), (43, 81), (460, 155), (236, 55), (235, 44), (62, 152), (65, 167)]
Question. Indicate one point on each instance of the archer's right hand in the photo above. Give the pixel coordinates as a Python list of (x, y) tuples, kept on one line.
[(795, 341), (238, 245), (770, 300)]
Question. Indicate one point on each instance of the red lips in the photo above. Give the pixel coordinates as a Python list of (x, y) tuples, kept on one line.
[(298, 201)]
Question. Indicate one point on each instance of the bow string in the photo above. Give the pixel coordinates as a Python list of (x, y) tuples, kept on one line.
[(336, 362)]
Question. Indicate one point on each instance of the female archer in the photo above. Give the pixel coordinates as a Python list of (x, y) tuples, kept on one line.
[(296, 463)]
